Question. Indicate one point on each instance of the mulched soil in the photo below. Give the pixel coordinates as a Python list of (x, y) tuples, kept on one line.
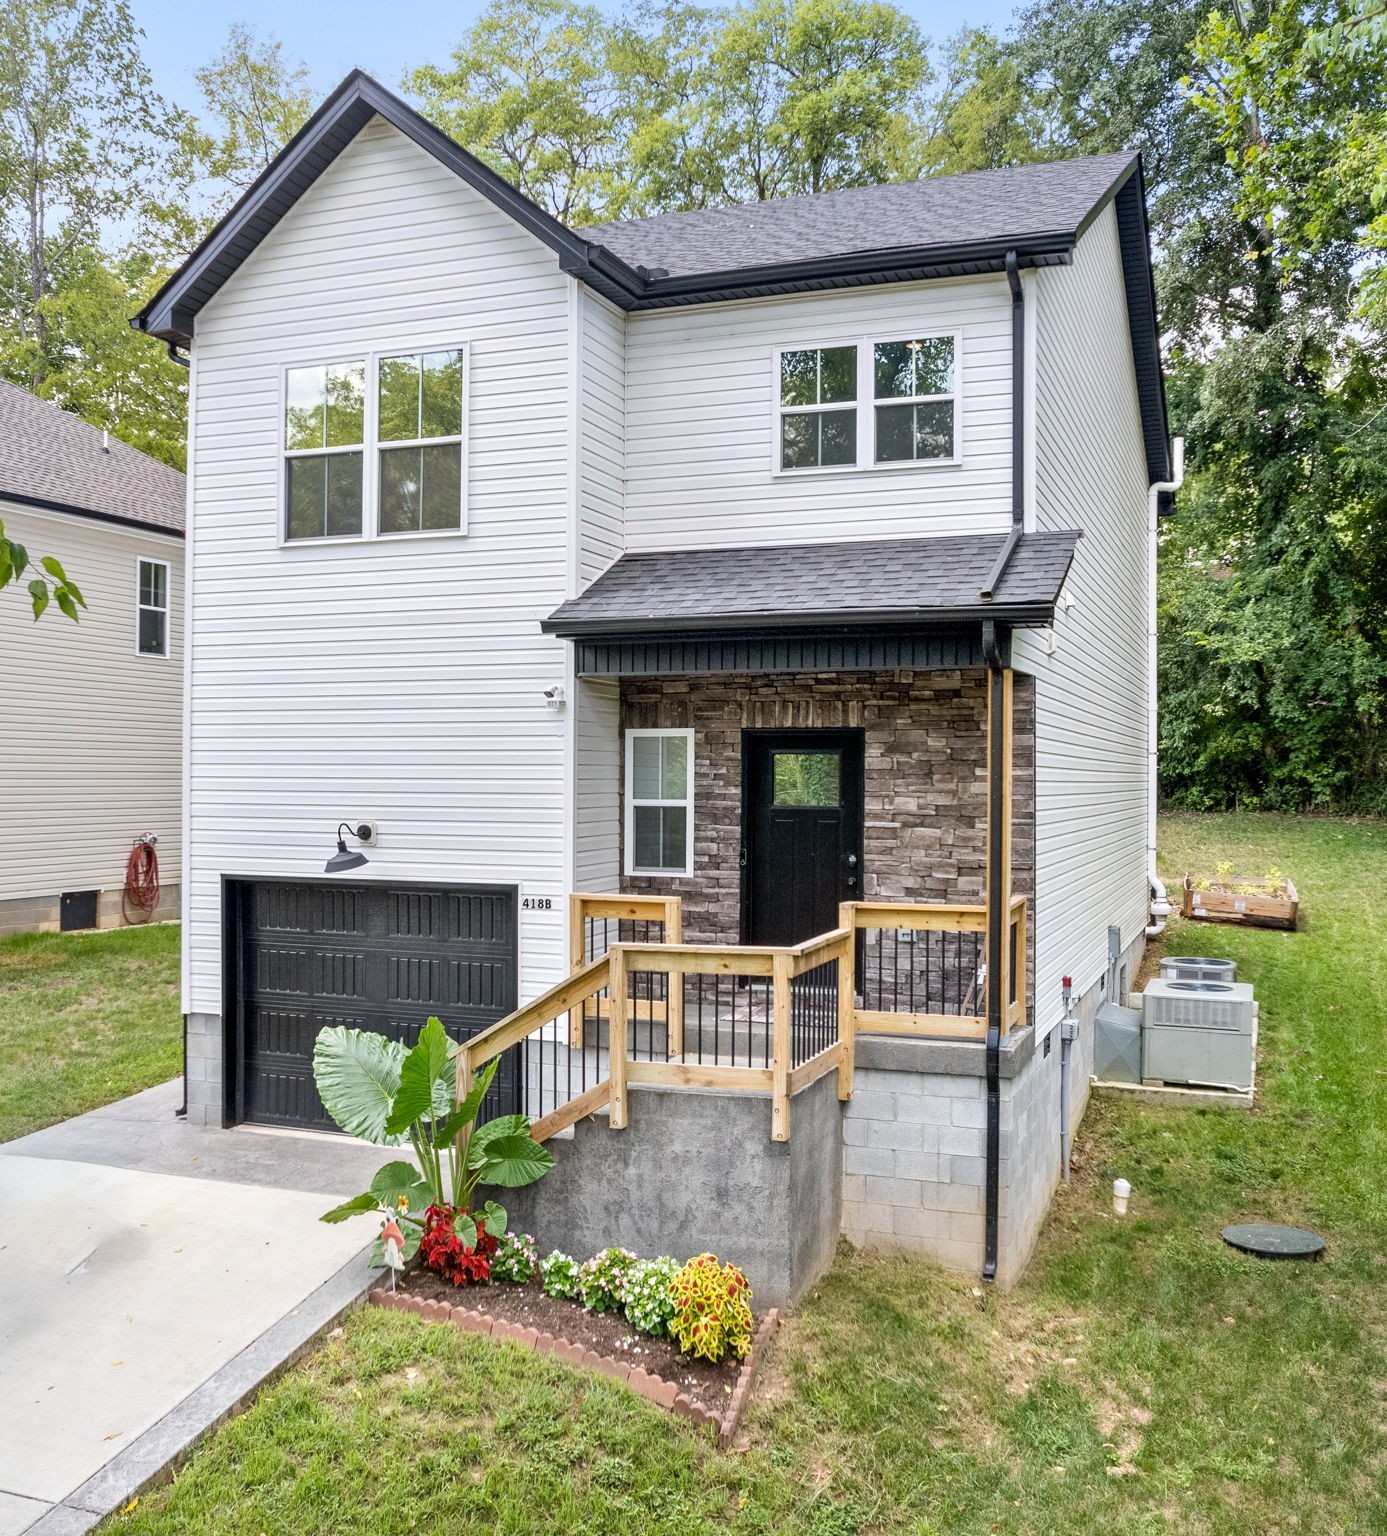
[(606, 1333)]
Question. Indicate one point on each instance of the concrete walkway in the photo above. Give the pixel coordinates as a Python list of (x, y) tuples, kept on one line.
[(151, 1273)]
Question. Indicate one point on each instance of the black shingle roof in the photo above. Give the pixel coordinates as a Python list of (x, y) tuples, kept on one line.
[(867, 581), (49, 458), (1007, 207)]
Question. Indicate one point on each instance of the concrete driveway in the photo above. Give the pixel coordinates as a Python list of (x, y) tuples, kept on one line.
[(149, 1272)]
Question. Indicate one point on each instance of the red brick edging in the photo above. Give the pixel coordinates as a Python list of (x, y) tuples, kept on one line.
[(654, 1389)]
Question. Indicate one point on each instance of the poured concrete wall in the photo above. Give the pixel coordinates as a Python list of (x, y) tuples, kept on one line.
[(695, 1171)]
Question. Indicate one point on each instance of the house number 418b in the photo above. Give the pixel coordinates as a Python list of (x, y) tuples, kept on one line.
[(538, 904)]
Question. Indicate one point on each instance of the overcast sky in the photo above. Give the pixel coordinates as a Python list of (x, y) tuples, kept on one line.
[(385, 39)]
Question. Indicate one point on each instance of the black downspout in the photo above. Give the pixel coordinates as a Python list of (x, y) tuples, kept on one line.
[(996, 784), (996, 938), (1018, 430)]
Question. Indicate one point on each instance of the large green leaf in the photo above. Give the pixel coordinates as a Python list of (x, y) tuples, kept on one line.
[(426, 1066), (466, 1112), (495, 1218), (512, 1161), (358, 1075), (401, 1179), (358, 1205)]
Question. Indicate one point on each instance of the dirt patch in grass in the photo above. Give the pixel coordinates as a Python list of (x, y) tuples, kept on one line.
[(605, 1333)]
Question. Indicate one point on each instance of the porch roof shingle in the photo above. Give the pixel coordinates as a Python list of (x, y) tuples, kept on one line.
[(879, 581)]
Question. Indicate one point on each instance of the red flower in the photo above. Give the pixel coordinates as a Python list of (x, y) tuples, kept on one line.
[(443, 1252)]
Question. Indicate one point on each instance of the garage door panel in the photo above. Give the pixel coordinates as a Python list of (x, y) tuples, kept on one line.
[(363, 957)]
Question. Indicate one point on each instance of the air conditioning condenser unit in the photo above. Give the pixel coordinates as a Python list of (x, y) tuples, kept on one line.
[(1200, 1033)]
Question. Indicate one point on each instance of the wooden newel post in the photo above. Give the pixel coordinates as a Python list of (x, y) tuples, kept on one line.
[(999, 966), (847, 1001), (674, 980), (464, 1070), (780, 1046), (616, 1037)]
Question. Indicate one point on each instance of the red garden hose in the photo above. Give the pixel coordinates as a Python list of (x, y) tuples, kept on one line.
[(141, 894)]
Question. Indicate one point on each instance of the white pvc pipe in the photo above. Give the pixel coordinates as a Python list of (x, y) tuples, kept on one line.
[(1160, 904)]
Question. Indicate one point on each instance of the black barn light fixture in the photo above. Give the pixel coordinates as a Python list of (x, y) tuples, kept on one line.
[(348, 858)]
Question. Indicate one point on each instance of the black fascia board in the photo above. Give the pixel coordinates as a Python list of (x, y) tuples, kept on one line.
[(18, 499), (1139, 281), (828, 622)]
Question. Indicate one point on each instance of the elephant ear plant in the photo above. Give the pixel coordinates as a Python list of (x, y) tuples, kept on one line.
[(377, 1090)]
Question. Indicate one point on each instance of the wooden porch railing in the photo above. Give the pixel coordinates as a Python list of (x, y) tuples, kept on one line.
[(922, 967), (769, 1019)]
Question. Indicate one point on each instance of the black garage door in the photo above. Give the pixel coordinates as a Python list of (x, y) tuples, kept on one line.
[(305, 955)]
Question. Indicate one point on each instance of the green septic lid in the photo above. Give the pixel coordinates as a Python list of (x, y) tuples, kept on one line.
[(1264, 1240)]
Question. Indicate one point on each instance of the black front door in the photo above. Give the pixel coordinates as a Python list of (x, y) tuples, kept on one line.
[(802, 832)]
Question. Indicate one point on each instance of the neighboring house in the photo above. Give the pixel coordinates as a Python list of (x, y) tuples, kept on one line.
[(91, 750), (768, 558)]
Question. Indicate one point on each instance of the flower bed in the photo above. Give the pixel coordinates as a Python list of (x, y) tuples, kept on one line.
[(604, 1341)]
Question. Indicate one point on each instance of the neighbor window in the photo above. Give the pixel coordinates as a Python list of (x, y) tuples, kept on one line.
[(659, 802), (374, 446), (152, 608), (421, 422), (324, 436), (873, 402)]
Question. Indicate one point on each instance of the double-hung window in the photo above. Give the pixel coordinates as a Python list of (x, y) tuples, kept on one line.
[(659, 802), (870, 404), (375, 446), (152, 608)]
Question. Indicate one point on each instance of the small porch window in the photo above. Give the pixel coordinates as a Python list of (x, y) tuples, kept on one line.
[(659, 802)]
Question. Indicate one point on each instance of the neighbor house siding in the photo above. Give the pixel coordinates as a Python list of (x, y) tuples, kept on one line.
[(399, 681), (1090, 473), (701, 422), (91, 746)]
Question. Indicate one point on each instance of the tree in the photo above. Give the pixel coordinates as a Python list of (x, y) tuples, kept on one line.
[(679, 106), (531, 91), (256, 100)]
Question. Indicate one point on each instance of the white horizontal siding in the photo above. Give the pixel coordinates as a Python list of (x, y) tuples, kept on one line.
[(91, 744), (701, 421), (1090, 473), (395, 681), (597, 845), (602, 433)]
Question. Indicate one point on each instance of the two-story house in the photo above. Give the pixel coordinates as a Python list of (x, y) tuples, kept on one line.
[(776, 578)]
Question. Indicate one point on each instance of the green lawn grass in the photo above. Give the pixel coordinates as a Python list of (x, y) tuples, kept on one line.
[(85, 1018), (1143, 1378)]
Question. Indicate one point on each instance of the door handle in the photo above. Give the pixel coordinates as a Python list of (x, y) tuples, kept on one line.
[(852, 861)]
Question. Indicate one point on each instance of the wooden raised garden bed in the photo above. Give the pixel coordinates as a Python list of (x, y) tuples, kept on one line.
[(1253, 903)]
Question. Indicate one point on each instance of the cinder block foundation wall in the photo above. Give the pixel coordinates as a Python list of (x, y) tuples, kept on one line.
[(914, 1158), (925, 778), (204, 1037), (42, 914)]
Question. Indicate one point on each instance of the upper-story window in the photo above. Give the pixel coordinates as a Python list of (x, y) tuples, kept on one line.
[(152, 608), (374, 446), (875, 403)]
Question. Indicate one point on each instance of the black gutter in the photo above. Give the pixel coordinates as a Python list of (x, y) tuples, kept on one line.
[(1018, 429), (1036, 614), (996, 939), (45, 505)]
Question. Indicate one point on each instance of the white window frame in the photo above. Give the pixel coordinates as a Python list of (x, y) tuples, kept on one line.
[(866, 403), (629, 860), (370, 447), (143, 607)]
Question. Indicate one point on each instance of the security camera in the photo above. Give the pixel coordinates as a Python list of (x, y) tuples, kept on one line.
[(553, 697)]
